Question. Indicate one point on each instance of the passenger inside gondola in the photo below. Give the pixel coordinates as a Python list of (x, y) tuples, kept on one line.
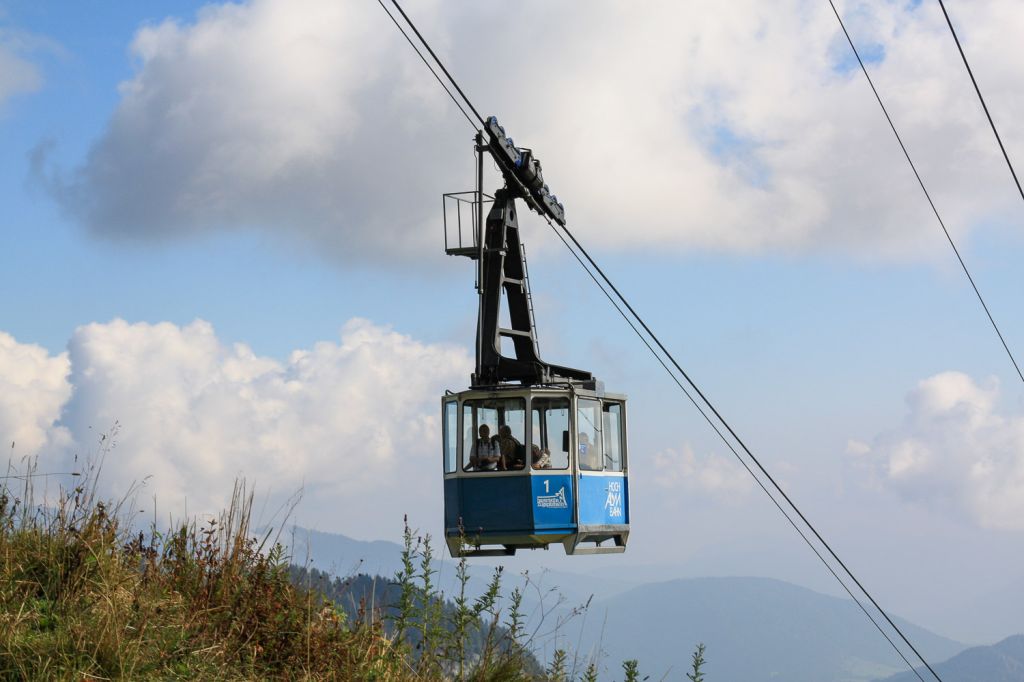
[(485, 455), (513, 454), (589, 457), (541, 459)]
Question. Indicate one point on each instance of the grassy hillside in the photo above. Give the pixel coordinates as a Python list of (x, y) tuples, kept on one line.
[(84, 597), (81, 598)]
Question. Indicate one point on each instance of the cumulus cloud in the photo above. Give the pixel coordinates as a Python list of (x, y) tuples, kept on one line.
[(955, 450), (352, 422), (714, 475), (687, 125), (18, 75), (33, 389), (296, 117)]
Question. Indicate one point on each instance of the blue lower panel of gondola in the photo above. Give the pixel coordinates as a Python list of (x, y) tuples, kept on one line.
[(604, 500), (510, 507), (489, 504)]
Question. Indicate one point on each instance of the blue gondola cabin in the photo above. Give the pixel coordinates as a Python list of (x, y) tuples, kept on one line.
[(529, 467)]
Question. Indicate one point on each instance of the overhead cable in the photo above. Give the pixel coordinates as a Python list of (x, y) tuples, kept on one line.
[(757, 462), (774, 484), (984, 106), (927, 195), (427, 64), (732, 448), (438, 61), (555, 227)]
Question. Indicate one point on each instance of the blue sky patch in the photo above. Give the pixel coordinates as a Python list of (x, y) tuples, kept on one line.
[(844, 61), (735, 150)]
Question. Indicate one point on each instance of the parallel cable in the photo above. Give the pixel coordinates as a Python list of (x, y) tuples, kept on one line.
[(749, 453), (736, 454), (650, 333), (439, 62), (711, 407), (928, 196), (984, 106), (427, 64)]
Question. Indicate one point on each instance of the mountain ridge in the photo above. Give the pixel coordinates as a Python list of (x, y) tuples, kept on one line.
[(723, 612), (999, 662), (754, 628)]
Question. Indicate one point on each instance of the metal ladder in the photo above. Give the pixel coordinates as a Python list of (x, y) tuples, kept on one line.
[(529, 295)]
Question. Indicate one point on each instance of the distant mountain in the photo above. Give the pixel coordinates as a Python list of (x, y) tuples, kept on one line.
[(1002, 662), (755, 629), (341, 555), (990, 615), (344, 556)]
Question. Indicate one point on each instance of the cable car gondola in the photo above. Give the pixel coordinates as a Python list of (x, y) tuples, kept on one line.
[(533, 453)]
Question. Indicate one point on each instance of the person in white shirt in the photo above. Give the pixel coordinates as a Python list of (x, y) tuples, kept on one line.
[(486, 453)]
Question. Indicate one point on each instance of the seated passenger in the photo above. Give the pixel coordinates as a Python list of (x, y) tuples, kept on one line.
[(511, 449), (589, 457), (541, 459), (485, 454)]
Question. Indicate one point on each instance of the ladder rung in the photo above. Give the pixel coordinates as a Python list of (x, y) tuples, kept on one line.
[(529, 296)]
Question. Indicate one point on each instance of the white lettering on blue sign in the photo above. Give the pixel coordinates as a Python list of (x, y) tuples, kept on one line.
[(556, 501), (613, 503)]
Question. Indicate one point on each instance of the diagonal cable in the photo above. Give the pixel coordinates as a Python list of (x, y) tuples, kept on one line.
[(437, 60), (718, 416), (426, 63), (984, 106), (736, 454), (757, 462), (928, 196)]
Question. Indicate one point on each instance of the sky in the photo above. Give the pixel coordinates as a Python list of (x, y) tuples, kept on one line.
[(222, 241)]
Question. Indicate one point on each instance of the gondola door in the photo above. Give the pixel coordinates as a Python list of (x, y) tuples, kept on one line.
[(600, 439), (552, 484)]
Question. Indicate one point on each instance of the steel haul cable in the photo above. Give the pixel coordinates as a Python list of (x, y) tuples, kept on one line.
[(736, 454), (984, 106), (927, 195), (774, 484), (426, 63)]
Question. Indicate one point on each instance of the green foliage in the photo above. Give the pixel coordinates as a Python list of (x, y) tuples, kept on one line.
[(696, 674), (84, 597), (432, 627), (632, 670), (557, 669)]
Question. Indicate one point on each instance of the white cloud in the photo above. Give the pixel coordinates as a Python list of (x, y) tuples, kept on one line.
[(688, 125), (17, 74), (955, 451), (33, 389), (291, 116), (714, 475), (353, 422)]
